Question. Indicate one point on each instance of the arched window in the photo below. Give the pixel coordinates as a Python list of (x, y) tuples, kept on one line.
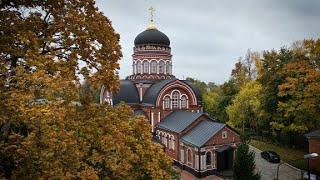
[(161, 67), (134, 68), (172, 142), (167, 68), (189, 155), (175, 100), (160, 136), (208, 158), (145, 67), (184, 101), (153, 67), (139, 67), (165, 140), (166, 102)]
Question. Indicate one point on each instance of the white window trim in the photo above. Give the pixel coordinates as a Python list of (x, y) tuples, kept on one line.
[(162, 65), (187, 105), (179, 95), (172, 142), (164, 102), (224, 134), (139, 67), (210, 158), (181, 154), (145, 65), (189, 160), (156, 64)]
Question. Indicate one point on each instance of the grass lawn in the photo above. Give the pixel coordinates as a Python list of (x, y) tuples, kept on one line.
[(286, 154)]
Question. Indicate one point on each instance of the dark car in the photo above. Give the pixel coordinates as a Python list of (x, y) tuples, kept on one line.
[(270, 156)]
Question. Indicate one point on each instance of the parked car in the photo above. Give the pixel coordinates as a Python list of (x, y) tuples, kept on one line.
[(270, 156)]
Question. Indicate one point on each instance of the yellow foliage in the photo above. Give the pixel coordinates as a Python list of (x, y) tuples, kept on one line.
[(44, 132)]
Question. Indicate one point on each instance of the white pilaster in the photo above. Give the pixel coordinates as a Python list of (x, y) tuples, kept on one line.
[(158, 116), (152, 123)]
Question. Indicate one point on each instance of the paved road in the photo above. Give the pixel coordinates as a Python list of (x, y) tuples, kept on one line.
[(269, 170)]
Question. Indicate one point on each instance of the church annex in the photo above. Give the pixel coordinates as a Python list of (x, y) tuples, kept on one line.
[(196, 142)]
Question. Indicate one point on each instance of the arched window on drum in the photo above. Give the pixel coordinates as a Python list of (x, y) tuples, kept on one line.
[(161, 67), (145, 67), (175, 100), (184, 102), (153, 67), (167, 68), (139, 67)]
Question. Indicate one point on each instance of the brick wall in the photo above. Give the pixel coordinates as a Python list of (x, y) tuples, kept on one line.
[(217, 138), (314, 147)]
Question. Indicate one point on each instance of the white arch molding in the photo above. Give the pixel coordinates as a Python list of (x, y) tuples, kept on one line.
[(174, 84)]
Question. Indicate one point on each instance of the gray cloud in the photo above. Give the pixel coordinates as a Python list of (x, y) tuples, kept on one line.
[(208, 36)]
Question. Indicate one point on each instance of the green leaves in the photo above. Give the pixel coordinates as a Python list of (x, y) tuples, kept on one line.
[(244, 165)]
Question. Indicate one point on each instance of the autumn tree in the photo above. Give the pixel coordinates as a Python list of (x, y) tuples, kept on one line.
[(268, 76), (250, 62), (240, 73), (46, 130), (245, 110), (245, 68), (210, 103), (290, 80), (299, 93)]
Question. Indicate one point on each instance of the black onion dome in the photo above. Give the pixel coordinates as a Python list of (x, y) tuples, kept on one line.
[(152, 36)]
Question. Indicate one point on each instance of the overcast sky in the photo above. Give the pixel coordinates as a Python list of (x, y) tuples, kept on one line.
[(208, 36)]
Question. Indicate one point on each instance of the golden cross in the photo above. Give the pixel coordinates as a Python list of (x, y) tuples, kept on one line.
[(152, 10)]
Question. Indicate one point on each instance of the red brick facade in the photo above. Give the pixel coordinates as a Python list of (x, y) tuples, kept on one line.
[(314, 147), (218, 139), (191, 156)]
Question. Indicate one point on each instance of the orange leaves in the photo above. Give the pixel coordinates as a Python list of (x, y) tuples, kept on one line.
[(49, 132)]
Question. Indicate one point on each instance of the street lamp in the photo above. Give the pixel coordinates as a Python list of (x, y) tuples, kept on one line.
[(310, 156), (307, 156)]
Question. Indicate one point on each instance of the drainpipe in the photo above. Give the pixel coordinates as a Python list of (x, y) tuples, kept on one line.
[(199, 161)]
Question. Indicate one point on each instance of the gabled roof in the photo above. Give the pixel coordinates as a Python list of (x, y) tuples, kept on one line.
[(127, 93), (203, 131), (177, 121), (315, 133)]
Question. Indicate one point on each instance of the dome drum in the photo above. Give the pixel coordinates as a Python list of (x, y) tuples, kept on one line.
[(158, 49)]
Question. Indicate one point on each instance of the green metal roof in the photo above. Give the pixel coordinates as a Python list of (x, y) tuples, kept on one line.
[(200, 134), (177, 121)]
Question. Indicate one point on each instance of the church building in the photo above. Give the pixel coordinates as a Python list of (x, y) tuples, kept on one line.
[(196, 142)]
